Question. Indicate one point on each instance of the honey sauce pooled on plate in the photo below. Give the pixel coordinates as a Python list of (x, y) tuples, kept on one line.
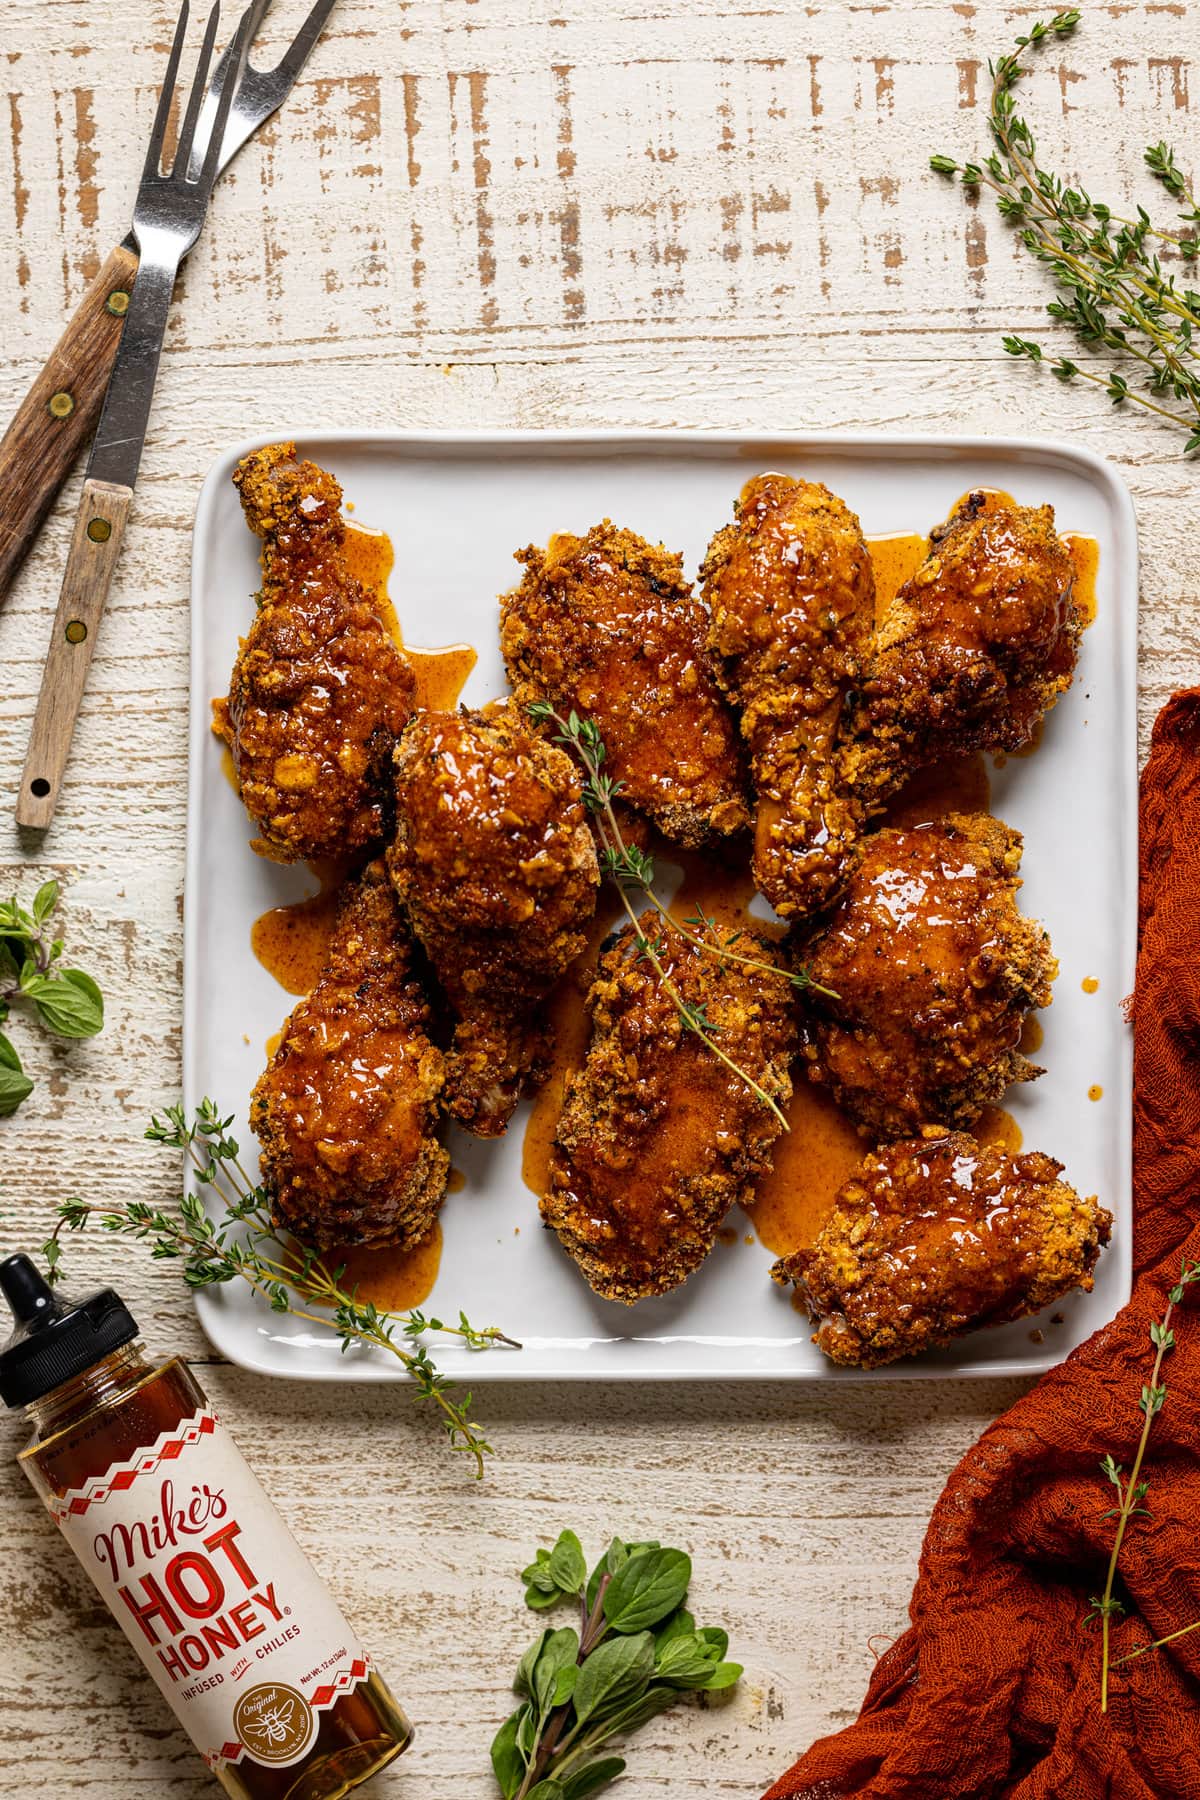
[(291, 942), (394, 1280), (819, 1151), (441, 674), (570, 1030), (894, 558)]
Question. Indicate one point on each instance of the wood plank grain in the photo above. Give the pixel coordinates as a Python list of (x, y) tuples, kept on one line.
[(60, 412), (95, 547), (689, 212)]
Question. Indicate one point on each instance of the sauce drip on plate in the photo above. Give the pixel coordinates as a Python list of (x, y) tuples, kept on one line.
[(395, 1280)]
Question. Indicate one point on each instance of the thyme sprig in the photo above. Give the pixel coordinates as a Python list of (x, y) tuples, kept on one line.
[(632, 868), (1116, 293), (1132, 1488), (244, 1244)]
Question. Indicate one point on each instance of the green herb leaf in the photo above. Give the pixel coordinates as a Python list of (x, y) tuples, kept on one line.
[(45, 901), (546, 1790), (538, 1600), (567, 1565), (559, 1651), (564, 1687), (685, 1662), (507, 1761), (538, 1573), (592, 1777), (648, 1587), (680, 1624), (617, 1671), (70, 1003), (15, 1085), (723, 1676), (523, 1680)]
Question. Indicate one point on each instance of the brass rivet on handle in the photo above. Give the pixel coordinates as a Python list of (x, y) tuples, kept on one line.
[(99, 530), (117, 303), (76, 631), (61, 405)]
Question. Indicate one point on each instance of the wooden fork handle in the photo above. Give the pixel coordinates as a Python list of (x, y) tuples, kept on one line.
[(60, 412), (95, 547)]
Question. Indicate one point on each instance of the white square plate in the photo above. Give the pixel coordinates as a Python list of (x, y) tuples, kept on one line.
[(456, 508)]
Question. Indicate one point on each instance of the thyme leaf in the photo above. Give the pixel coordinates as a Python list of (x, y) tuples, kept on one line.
[(1115, 290), (632, 868), (1132, 1488), (243, 1243)]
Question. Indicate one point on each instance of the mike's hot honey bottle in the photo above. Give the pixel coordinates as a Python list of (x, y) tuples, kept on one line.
[(203, 1576)]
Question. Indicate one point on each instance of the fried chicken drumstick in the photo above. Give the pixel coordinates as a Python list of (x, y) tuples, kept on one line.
[(657, 1138), (319, 693), (346, 1110), (937, 1236), (935, 969), (974, 649), (792, 596), (496, 870), (607, 625)]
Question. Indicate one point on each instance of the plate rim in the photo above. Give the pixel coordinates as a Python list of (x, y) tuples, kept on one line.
[(237, 1346)]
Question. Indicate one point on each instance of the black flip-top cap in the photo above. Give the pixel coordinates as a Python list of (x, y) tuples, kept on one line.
[(55, 1339)]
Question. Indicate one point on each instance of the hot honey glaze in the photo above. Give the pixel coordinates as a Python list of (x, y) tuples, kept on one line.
[(442, 673), (291, 942), (393, 1280), (818, 1153)]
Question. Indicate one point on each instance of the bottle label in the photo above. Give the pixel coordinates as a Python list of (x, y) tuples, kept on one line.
[(215, 1595)]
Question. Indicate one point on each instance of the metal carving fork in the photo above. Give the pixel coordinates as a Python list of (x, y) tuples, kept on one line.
[(60, 411), (167, 220)]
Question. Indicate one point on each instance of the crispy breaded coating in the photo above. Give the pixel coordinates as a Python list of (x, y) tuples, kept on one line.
[(975, 648), (607, 625), (934, 969), (792, 595), (346, 1110), (319, 693), (937, 1236), (657, 1138), (496, 869)]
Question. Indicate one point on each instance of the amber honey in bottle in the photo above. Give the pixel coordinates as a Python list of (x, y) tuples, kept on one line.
[(217, 1598)]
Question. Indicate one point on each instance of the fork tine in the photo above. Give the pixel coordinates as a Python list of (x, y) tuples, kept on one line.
[(183, 149), (154, 153), (297, 51), (229, 81)]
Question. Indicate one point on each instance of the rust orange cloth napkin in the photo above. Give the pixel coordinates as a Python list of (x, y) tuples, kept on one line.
[(995, 1688)]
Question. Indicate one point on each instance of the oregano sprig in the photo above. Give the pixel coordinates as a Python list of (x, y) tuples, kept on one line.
[(1133, 1487), (66, 1001), (1116, 294), (243, 1244), (635, 1652), (632, 868)]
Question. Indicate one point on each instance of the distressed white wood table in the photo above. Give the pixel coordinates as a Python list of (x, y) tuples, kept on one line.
[(515, 213)]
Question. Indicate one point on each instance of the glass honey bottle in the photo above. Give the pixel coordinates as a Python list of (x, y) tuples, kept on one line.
[(218, 1600)]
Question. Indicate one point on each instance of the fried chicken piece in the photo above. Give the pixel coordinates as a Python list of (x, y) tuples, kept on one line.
[(607, 625), (792, 596), (319, 693), (658, 1138), (346, 1110), (496, 869), (936, 1236), (934, 969), (975, 648)]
